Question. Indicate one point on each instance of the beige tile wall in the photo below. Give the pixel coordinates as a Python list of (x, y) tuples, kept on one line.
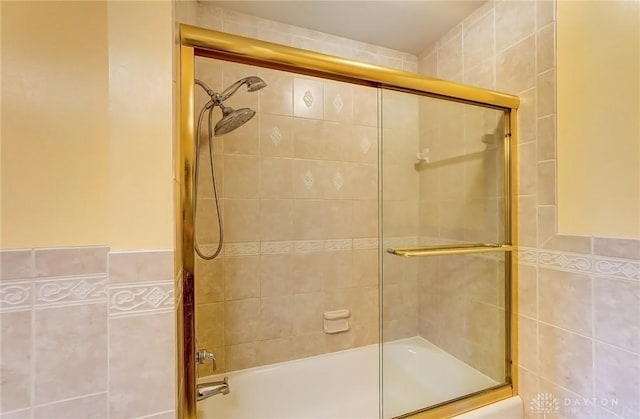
[(461, 299), (300, 185), (206, 15), (298, 189), (86, 333), (399, 213), (579, 297)]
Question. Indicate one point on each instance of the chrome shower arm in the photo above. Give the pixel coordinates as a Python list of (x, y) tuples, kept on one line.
[(205, 87), (215, 97)]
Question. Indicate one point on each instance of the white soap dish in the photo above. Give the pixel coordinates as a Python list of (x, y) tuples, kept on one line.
[(336, 321)]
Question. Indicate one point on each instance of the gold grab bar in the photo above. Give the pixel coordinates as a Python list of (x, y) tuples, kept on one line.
[(449, 249)]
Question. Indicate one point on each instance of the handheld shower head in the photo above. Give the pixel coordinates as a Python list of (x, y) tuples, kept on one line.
[(253, 83), (232, 119)]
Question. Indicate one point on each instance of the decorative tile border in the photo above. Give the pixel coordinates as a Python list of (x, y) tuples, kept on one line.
[(16, 295), (364, 244), (242, 249), (308, 246), (340, 244), (300, 246), (527, 256), (565, 261), (273, 248), (143, 297), (623, 268), (583, 263), (70, 290)]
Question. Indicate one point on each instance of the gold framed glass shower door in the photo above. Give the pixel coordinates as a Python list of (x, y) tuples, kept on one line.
[(197, 41), (446, 249)]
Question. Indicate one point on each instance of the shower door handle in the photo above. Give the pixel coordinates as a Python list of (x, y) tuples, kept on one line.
[(449, 249)]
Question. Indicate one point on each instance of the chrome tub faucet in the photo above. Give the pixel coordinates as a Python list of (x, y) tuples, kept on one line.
[(206, 390)]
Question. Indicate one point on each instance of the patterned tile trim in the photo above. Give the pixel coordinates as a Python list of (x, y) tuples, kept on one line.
[(71, 290), (142, 297), (242, 249), (527, 256), (622, 268), (565, 261), (16, 295), (362, 244), (341, 244), (307, 246), (273, 248), (299, 246)]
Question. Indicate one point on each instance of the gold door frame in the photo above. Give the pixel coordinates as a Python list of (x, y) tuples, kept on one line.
[(194, 41)]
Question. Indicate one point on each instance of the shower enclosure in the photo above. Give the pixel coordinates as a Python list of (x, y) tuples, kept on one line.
[(365, 268)]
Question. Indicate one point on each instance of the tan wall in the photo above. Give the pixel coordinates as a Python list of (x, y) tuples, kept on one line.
[(598, 127), (87, 124), (86, 160), (55, 124), (141, 121)]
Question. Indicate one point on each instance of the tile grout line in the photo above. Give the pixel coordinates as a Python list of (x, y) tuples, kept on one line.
[(68, 399)]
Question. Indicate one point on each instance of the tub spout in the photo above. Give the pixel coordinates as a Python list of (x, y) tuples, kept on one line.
[(206, 390)]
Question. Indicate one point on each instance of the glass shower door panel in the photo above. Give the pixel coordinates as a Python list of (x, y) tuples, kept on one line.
[(443, 317), (290, 305)]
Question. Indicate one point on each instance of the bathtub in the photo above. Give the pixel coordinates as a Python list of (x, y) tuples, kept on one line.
[(345, 385)]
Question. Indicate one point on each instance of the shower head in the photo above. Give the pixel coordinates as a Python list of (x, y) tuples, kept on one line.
[(232, 119), (253, 83)]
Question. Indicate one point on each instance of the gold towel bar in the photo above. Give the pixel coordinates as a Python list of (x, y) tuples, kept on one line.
[(450, 249)]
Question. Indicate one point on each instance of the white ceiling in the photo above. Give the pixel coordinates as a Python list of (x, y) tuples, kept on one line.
[(409, 26)]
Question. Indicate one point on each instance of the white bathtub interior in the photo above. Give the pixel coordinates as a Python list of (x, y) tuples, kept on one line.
[(346, 384)]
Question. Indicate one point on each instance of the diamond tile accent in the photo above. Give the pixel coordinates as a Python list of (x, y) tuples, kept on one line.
[(308, 179), (70, 290), (338, 181), (308, 98), (82, 289), (276, 136), (338, 104), (156, 296), (134, 298), (622, 268)]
